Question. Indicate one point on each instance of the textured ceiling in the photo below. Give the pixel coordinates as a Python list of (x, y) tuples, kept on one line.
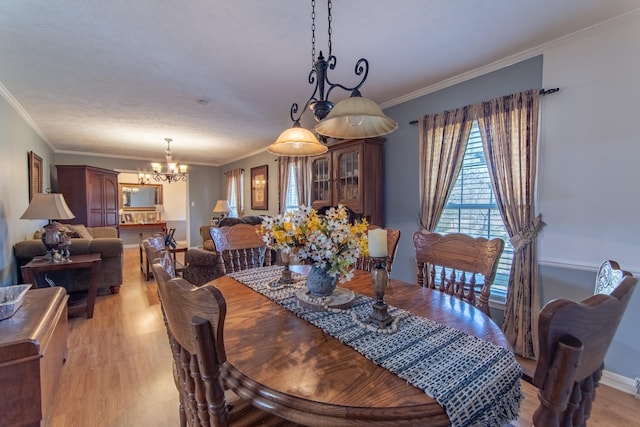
[(117, 77)]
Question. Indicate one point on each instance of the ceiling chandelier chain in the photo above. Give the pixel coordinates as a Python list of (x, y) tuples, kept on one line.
[(329, 31), (175, 172), (313, 33)]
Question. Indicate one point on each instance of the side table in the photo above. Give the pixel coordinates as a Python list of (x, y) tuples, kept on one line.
[(33, 268)]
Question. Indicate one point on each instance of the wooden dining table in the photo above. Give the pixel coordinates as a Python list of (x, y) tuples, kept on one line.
[(292, 368)]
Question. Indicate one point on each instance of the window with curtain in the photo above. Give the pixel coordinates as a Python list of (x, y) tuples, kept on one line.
[(291, 198), (472, 209), (235, 193)]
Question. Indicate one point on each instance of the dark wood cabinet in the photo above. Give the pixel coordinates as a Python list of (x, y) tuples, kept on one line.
[(33, 348), (350, 173), (91, 193)]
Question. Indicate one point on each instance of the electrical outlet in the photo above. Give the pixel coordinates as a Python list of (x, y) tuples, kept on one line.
[(637, 385)]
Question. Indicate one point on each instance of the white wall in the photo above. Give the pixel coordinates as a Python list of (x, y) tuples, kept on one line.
[(174, 197), (589, 175)]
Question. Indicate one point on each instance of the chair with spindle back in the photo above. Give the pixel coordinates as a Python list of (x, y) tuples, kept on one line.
[(393, 236), (240, 247), (573, 340), (465, 257), (194, 317)]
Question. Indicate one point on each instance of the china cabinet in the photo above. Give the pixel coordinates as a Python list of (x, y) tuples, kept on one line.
[(350, 173)]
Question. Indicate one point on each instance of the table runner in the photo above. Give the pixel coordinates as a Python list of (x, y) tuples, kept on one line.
[(476, 382)]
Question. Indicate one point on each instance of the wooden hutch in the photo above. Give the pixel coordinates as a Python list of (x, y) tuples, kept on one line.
[(91, 193), (350, 173)]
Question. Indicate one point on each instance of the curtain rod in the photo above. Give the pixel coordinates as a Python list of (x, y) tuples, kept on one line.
[(542, 92)]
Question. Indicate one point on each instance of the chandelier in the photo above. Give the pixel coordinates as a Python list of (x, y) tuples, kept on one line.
[(351, 118), (174, 173)]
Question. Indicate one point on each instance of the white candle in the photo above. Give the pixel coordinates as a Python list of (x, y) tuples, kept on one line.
[(378, 243)]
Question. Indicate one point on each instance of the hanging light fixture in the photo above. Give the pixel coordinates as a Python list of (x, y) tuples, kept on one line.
[(354, 117), (174, 173)]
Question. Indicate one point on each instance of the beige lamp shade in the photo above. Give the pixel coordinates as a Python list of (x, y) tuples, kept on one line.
[(48, 206), (356, 117), (297, 141), (222, 206)]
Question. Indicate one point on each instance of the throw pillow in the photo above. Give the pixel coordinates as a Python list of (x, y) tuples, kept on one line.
[(79, 230)]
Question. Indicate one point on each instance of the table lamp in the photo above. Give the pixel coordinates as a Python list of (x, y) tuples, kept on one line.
[(160, 210), (49, 206), (222, 207)]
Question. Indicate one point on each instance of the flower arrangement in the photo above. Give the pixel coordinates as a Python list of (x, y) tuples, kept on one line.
[(328, 241)]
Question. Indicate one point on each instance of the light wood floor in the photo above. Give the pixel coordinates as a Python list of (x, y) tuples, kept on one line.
[(119, 374)]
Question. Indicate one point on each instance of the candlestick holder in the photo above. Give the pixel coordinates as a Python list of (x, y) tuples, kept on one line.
[(379, 280), (285, 258)]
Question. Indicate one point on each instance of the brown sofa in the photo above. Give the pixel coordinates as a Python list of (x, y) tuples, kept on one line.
[(101, 240)]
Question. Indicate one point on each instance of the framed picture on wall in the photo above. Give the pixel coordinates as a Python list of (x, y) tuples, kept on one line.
[(128, 218), (35, 174), (259, 187)]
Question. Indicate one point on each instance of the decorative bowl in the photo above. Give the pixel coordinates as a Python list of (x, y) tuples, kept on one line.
[(11, 299)]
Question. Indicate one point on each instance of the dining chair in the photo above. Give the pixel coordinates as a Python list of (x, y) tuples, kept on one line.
[(450, 263), (240, 247), (153, 247), (608, 277), (573, 339), (194, 317), (393, 237)]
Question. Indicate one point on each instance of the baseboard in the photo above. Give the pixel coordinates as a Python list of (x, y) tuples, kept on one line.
[(618, 382)]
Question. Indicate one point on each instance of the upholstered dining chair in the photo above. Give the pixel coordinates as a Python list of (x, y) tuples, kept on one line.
[(393, 237), (194, 317), (240, 247), (573, 340), (450, 263), (608, 277), (153, 247)]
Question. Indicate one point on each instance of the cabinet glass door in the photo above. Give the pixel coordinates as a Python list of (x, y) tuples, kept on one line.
[(321, 182), (348, 183)]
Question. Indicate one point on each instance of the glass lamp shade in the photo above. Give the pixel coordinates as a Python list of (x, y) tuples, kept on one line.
[(297, 141), (356, 117)]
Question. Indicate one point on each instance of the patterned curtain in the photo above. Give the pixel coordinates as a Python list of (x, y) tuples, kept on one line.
[(302, 179), (443, 141), (235, 176), (284, 163), (509, 131)]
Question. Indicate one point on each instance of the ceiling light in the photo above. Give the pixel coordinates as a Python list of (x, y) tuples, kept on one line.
[(174, 173), (356, 117), (360, 118), (297, 141)]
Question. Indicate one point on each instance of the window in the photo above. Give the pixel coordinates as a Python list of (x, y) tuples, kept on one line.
[(472, 209), (291, 197), (237, 184)]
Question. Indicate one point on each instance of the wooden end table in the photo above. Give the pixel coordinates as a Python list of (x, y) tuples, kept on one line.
[(37, 266)]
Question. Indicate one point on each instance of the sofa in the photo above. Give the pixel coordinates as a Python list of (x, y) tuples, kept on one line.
[(84, 240)]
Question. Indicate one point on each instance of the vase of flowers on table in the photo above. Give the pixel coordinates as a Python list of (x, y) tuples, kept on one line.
[(329, 243)]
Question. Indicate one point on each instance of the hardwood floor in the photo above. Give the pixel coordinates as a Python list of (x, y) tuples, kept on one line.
[(118, 372)]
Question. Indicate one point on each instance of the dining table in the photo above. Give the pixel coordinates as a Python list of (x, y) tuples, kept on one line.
[(282, 363)]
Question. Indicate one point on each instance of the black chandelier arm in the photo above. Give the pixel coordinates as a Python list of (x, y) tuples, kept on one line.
[(361, 68)]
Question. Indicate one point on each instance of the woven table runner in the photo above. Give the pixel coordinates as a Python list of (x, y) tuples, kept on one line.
[(475, 381)]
